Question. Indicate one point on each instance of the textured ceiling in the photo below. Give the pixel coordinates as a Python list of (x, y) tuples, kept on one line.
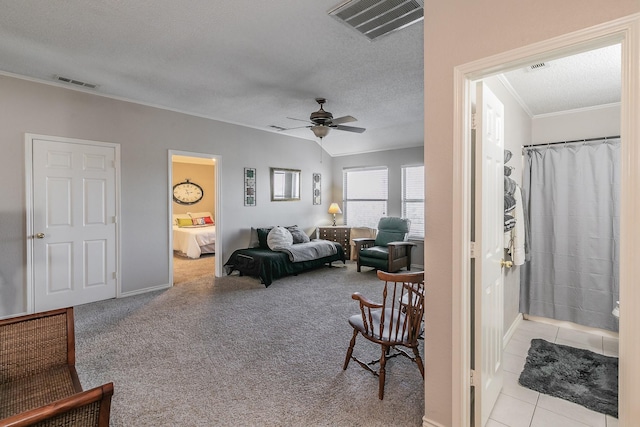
[(579, 81), (248, 62), (251, 63)]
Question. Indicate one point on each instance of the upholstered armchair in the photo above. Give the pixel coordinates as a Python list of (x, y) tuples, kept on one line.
[(389, 251)]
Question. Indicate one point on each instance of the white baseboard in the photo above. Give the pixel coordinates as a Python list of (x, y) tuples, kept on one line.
[(143, 291), (570, 325), (24, 313), (511, 330), (426, 422)]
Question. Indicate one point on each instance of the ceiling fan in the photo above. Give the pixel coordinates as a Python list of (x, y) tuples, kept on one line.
[(321, 121)]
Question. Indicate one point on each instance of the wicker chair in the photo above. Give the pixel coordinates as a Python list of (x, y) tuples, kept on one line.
[(393, 323), (39, 385)]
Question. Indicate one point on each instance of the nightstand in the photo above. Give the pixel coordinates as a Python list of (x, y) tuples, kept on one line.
[(339, 234)]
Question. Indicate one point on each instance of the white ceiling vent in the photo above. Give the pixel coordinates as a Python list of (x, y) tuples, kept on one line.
[(375, 18), (538, 66), (76, 82)]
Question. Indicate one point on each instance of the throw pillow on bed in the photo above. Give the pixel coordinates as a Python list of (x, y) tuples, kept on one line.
[(299, 236), (262, 237), (182, 222), (198, 221), (279, 238), (254, 242)]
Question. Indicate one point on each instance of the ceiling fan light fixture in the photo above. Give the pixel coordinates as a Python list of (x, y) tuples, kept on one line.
[(320, 131)]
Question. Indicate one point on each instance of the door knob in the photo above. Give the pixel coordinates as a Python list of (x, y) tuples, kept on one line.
[(506, 264), (40, 236)]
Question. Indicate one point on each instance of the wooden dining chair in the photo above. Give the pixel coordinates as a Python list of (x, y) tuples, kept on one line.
[(393, 323)]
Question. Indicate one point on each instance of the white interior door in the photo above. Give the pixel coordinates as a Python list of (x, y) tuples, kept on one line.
[(489, 250), (74, 223)]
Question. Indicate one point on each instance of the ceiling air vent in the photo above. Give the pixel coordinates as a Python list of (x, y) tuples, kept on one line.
[(375, 18), (538, 66), (75, 82)]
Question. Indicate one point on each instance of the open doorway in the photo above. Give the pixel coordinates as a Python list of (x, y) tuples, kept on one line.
[(195, 217), (561, 278), (593, 38)]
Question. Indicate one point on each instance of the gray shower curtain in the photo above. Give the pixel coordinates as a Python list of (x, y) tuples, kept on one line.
[(572, 196)]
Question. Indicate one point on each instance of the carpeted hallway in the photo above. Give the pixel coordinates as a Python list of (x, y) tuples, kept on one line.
[(187, 270), (230, 352)]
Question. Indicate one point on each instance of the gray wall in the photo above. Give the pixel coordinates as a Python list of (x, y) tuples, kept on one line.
[(145, 135), (393, 160)]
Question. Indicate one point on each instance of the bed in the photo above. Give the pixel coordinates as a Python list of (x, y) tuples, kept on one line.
[(269, 265), (194, 238)]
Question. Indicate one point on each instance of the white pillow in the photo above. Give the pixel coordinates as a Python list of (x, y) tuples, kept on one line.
[(279, 238)]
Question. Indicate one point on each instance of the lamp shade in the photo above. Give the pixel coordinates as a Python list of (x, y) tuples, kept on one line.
[(334, 209)]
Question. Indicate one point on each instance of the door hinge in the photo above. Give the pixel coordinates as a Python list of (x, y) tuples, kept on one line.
[(115, 219), (474, 125), (472, 249), (115, 274), (472, 374)]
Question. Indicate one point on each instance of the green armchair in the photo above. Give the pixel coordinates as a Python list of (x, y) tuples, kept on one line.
[(389, 251)]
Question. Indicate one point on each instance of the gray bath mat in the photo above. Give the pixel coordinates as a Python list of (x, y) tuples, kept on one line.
[(573, 374)]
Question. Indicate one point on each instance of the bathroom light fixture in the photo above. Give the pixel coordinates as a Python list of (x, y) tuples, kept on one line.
[(334, 209)]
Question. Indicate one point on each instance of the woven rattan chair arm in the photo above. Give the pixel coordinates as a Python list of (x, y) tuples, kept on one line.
[(88, 408)]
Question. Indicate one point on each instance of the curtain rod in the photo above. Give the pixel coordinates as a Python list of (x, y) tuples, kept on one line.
[(569, 142)]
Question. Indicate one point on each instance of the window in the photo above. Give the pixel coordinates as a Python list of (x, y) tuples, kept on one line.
[(413, 199), (365, 194)]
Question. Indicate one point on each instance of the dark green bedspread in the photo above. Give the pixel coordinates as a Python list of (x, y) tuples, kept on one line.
[(269, 265)]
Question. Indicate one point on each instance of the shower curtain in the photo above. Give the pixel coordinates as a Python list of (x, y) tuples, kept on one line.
[(572, 195)]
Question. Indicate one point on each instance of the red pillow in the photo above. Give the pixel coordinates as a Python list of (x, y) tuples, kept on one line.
[(208, 220)]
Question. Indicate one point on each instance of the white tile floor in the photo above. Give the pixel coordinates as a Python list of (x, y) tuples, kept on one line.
[(518, 406)]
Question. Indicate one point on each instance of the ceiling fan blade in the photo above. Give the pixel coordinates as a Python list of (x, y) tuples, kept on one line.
[(349, 128), (343, 119), (297, 127), (300, 120)]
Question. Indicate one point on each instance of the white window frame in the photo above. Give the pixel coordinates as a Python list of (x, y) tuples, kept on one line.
[(345, 200), (417, 224)]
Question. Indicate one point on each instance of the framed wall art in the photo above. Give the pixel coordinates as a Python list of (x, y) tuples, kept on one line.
[(249, 186), (317, 190)]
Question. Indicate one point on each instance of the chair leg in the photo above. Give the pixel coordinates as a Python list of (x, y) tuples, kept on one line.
[(350, 351), (381, 372), (419, 361)]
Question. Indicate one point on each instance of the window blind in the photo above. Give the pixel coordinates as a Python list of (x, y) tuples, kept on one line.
[(413, 199), (365, 195)]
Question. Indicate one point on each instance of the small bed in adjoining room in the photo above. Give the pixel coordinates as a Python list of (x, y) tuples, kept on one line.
[(194, 234)]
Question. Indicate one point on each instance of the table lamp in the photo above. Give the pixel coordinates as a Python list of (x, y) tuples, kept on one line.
[(334, 209)]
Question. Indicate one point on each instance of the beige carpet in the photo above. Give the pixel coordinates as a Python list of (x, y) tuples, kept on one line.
[(187, 270)]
